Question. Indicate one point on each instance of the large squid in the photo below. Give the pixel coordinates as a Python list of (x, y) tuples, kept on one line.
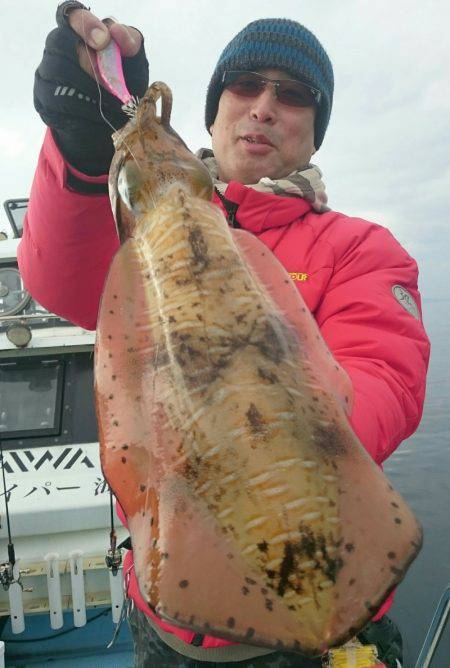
[(255, 513)]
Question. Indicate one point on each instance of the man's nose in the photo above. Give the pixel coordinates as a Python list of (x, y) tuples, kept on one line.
[(264, 106)]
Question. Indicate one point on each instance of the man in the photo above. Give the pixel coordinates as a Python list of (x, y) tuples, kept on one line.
[(267, 109)]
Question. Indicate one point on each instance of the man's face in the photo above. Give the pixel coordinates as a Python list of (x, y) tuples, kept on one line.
[(281, 137)]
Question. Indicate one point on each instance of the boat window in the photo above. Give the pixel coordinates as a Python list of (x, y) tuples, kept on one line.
[(47, 400), (30, 398)]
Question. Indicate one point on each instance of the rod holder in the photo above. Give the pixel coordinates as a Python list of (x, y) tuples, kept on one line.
[(77, 583), (15, 595), (116, 587), (54, 590)]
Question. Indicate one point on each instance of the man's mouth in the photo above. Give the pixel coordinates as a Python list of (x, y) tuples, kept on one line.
[(257, 139)]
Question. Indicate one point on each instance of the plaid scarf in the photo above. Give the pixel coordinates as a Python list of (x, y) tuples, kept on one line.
[(306, 183)]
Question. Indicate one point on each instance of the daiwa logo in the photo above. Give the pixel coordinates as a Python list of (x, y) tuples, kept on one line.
[(298, 276), (24, 461)]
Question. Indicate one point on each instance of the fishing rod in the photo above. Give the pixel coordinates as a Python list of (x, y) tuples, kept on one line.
[(113, 562), (7, 568), (113, 557)]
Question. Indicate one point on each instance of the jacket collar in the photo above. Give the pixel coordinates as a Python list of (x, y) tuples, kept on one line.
[(257, 211)]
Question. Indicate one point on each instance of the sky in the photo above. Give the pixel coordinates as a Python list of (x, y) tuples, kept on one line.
[(386, 153)]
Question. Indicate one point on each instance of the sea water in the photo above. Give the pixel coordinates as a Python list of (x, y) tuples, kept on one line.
[(420, 470)]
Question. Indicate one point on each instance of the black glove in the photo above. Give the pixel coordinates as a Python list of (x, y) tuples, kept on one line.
[(67, 98)]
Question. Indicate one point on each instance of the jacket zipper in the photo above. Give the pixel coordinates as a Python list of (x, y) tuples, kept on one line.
[(230, 207)]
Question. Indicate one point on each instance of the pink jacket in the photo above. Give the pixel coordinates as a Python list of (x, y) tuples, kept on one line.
[(345, 268)]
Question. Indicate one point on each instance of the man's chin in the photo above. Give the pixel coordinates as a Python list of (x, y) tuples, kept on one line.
[(252, 173), (249, 169)]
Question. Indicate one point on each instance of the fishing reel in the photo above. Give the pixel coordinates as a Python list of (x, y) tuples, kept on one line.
[(6, 575), (113, 559), (7, 569)]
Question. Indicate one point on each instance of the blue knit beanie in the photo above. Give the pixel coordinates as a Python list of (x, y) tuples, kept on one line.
[(277, 44)]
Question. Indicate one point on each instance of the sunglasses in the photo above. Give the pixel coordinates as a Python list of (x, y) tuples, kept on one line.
[(288, 91)]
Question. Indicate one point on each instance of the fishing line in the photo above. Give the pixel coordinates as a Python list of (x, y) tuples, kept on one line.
[(100, 102), (112, 533), (100, 98), (111, 509), (112, 537)]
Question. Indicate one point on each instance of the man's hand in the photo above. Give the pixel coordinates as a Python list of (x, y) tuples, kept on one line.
[(96, 35), (67, 93)]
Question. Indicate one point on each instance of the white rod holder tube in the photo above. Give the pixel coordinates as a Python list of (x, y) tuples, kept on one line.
[(54, 590), (116, 586), (77, 583), (15, 595)]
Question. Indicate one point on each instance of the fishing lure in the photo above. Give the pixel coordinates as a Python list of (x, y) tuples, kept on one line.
[(109, 63)]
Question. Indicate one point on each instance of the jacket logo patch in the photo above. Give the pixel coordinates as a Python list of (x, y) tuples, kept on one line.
[(405, 299), (297, 276)]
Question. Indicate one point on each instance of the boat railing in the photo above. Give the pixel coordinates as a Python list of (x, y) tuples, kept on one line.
[(435, 631)]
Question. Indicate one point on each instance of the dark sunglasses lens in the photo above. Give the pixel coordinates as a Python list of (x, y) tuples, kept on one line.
[(248, 84), (295, 94), (245, 85)]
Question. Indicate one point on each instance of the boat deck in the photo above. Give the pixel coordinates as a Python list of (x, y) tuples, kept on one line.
[(69, 646)]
